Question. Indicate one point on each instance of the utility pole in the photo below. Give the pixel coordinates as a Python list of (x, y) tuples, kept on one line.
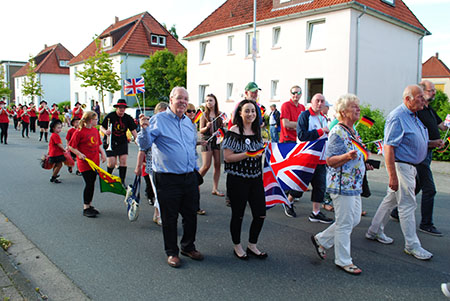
[(254, 48)]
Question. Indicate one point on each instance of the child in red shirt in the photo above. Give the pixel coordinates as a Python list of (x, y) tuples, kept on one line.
[(86, 143), (74, 123), (56, 150)]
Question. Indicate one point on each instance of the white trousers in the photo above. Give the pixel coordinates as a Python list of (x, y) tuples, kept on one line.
[(405, 199), (348, 215)]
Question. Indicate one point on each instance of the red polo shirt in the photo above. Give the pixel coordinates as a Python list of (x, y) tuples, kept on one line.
[(291, 112)]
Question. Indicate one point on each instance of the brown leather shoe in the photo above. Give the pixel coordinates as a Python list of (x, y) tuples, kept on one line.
[(174, 261), (194, 254)]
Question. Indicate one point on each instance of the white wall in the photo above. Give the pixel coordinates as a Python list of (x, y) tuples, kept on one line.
[(289, 63), (388, 62), (56, 88)]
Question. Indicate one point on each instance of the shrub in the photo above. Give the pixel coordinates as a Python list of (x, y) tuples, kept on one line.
[(442, 107)]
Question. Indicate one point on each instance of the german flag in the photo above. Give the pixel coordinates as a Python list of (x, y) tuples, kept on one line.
[(256, 153), (198, 115), (367, 121), (361, 148)]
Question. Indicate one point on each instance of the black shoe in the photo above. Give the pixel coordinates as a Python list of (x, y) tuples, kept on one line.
[(261, 255), (55, 180), (430, 230), (244, 257), (320, 218), (94, 210), (289, 211), (89, 212), (78, 173)]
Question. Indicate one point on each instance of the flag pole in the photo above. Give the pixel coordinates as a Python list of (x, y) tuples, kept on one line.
[(137, 100), (212, 136), (217, 117)]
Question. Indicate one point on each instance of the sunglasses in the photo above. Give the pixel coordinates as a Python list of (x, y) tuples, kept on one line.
[(298, 93), (190, 111)]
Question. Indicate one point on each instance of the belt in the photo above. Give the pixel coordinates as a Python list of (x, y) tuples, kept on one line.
[(409, 163)]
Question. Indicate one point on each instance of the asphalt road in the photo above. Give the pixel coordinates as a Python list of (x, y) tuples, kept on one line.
[(110, 258)]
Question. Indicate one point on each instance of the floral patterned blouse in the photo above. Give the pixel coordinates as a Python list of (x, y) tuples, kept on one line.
[(347, 179)]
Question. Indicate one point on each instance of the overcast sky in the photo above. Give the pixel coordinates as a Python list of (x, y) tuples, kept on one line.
[(26, 25)]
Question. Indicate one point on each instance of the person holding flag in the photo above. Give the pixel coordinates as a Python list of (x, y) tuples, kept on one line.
[(86, 143), (115, 125), (210, 122), (243, 166), (345, 178)]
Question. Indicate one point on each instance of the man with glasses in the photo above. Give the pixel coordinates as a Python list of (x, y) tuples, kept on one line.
[(290, 111), (313, 125), (425, 181)]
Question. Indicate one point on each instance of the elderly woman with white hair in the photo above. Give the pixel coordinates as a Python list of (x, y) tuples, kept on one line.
[(345, 159)]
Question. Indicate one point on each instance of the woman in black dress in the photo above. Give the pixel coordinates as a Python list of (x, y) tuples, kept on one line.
[(245, 176)]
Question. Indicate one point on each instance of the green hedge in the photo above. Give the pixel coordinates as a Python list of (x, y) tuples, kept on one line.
[(376, 131), (442, 107)]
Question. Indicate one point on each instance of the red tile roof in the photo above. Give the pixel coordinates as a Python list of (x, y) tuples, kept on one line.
[(47, 61), (238, 12), (135, 39), (434, 68)]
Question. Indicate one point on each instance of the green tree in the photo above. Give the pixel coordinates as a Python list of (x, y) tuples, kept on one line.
[(162, 72), (4, 84), (442, 107), (31, 85), (98, 73), (172, 30)]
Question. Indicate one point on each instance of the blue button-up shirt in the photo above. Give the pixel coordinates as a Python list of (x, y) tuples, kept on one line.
[(404, 131), (174, 140)]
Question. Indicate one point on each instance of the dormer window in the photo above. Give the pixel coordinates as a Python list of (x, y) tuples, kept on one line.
[(106, 42), (282, 4), (63, 63), (390, 2), (158, 40)]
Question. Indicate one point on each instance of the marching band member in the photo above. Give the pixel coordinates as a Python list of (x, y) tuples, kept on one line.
[(4, 122), (33, 116), (55, 112), (25, 116), (78, 111), (43, 120), (86, 143)]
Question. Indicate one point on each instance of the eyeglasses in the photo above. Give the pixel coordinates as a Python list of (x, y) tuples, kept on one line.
[(190, 111), (431, 90), (298, 92)]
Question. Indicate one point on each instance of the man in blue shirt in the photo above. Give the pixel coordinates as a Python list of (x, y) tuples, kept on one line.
[(405, 145), (173, 161)]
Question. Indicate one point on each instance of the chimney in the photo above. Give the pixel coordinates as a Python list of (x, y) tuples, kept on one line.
[(116, 20), (437, 55)]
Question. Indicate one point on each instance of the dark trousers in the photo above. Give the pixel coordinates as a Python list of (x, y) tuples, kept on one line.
[(177, 194), (4, 131), (318, 183), (89, 178), (24, 128), (426, 184), (242, 190), (33, 124)]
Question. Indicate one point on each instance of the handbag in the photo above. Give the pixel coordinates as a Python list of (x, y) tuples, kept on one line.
[(132, 199), (365, 187), (69, 160)]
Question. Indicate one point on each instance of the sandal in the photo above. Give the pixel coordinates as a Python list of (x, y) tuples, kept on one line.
[(201, 212), (319, 249), (351, 269), (218, 193), (328, 207), (363, 213)]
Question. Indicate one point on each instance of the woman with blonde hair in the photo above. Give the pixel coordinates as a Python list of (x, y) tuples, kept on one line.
[(345, 157), (210, 122), (86, 143)]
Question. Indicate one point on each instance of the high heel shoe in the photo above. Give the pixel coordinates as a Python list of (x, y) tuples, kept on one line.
[(261, 255), (244, 257)]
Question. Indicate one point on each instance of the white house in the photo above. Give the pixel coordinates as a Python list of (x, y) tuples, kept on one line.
[(438, 73), (372, 48), (52, 72), (129, 42)]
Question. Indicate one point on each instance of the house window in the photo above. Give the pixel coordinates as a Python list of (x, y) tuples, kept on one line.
[(284, 1), (202, 93), (111, 97), (158, 40), (230, 44), (154, 39), (77, 97), (106, 42), (313, 86), (251, 45), (274, 89), (162, 41), (63, 63), (390, 2), (203, 46), (276, 36), (440, 87), (229, 90), (316, 35), (75, 71)]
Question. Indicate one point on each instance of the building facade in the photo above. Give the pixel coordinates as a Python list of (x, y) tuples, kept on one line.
[(9, 68), (438, 73)]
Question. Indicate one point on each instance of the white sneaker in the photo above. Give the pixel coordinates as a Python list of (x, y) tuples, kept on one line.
[(382, 238), (445, 287), (419, 253)]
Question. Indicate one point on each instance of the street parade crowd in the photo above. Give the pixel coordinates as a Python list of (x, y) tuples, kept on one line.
[(330, 147)]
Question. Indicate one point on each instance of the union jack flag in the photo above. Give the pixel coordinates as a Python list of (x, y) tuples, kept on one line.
[(134, 86), (379, 145), (289, 166)]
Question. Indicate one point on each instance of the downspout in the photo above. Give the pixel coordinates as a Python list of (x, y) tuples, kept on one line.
[(358, 25), (419, 58)]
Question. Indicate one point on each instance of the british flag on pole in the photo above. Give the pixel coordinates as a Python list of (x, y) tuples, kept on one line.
[(133, 86), (289, 166)]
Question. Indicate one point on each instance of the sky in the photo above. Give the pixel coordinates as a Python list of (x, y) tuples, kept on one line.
[(27, 25)]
